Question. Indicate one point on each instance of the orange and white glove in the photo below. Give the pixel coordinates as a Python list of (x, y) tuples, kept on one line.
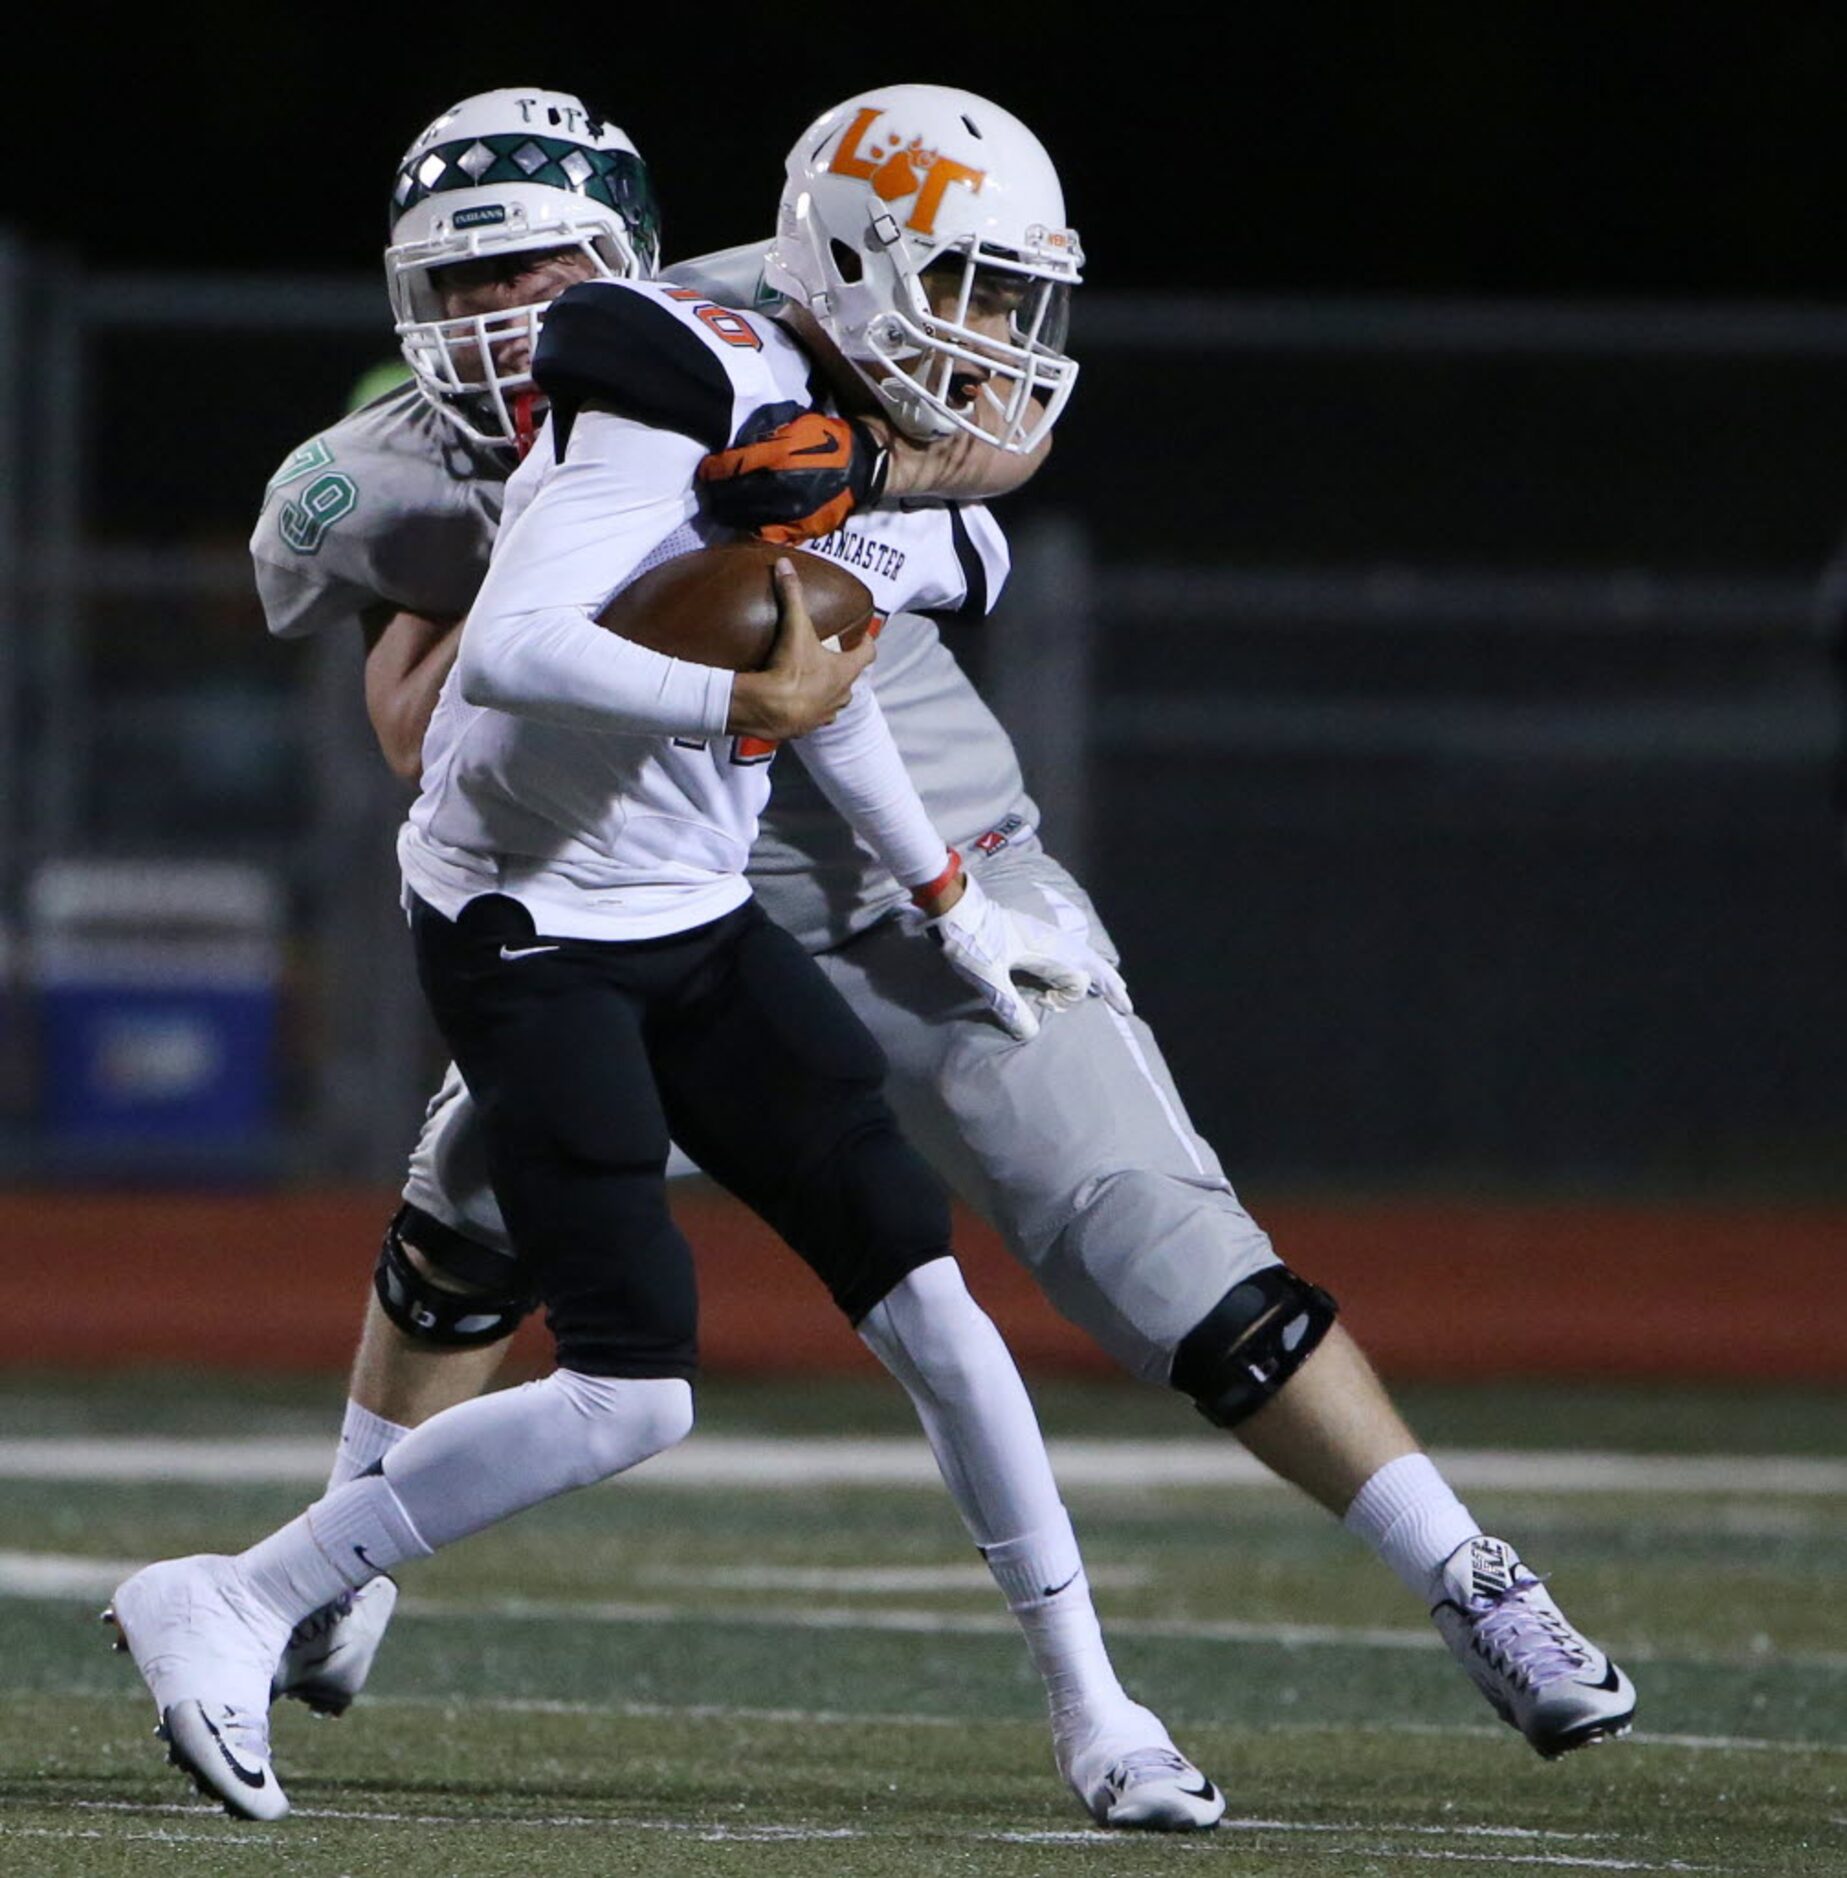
[(793, 475)]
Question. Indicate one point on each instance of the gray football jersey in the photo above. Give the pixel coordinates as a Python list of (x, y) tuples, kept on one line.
[(809, 869), (389, 507)]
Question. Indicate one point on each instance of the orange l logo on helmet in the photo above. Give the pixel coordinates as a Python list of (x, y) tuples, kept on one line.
[(899, 170)]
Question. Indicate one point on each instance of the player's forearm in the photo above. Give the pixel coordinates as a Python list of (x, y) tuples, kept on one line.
[(961, 468), (532, 644), (857, 767), (406, 663), (558, 666)]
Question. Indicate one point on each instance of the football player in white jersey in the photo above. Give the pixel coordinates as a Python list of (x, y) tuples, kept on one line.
[(573, 871), (1076, 1146)]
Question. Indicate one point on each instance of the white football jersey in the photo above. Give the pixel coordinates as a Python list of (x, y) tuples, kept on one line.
[(586, 776)]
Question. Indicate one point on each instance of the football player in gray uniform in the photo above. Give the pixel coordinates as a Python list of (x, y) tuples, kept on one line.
[(915, 223)]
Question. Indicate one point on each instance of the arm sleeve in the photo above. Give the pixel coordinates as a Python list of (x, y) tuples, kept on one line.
[(532, 645), (857, 767)]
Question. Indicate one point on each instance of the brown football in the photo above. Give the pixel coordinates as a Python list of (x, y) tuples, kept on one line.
[(717, 606)]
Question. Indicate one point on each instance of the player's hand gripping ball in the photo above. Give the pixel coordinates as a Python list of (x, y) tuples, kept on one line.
[(792, 475), (717, 606)]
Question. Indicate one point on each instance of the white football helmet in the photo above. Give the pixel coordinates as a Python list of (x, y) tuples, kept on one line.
[(506, 172), (916, 177)]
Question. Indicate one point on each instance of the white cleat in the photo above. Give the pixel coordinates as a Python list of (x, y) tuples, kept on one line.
[(330, 1652), (1539, 1674), (1129, 1775), (206, 1650)]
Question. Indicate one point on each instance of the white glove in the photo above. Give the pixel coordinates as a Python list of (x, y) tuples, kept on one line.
[(987, 944)]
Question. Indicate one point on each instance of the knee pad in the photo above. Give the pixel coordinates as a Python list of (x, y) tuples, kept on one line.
[(498, 1295), (1250, 1343)]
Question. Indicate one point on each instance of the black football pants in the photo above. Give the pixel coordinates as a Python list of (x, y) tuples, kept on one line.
[(586, 1057)]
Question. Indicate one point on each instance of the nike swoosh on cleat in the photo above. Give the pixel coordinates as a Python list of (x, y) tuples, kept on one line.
[(256, 1781), (1610, 1680), (1204, 1791), (829, 448)]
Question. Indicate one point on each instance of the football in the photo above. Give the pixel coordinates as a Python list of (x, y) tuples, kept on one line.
[(717, 606)]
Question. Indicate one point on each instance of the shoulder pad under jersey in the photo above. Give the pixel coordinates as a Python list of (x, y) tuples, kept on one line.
[(664, 355), (731, 276), (387, 507)]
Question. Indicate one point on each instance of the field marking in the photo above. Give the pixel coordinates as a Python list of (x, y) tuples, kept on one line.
[(879, 1718), (56, 1577), (844, 1580), (65, 1575), (999, 1623), (61, 1575), (771, 1833), (1554, 1860), (159, 1835), (783, 1462)]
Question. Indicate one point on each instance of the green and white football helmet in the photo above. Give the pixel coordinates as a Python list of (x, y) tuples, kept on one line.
[(503, 173)]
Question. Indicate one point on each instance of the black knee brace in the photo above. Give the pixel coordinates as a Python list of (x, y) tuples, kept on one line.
[(498, 1295), (1250, 1343)]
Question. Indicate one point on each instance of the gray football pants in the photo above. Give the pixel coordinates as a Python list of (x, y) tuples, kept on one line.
[(1075, 1147)]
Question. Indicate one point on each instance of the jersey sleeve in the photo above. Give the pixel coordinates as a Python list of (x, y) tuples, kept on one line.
[(856, 765), (982, 562), (354, 523), (532, 645), (297, 605), (658, 354)]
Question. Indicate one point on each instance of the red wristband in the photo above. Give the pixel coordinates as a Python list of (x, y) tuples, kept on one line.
[(923, 895)]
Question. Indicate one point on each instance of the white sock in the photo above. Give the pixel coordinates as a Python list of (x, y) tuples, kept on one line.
[(1043, 1578), (1407, 1513), (364, 1438), (469, 1467), (340, 1543), (979, 1419)]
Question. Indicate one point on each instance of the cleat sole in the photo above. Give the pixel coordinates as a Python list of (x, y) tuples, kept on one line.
[(1586, 1737)]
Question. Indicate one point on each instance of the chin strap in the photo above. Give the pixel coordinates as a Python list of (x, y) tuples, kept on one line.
[(524, 429)]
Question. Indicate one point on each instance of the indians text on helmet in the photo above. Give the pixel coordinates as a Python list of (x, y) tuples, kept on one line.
[(896, 169)]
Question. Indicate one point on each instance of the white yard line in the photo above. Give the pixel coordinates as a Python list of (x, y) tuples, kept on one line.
[(793, 1461), (64, 1575), (158, 1835), (842, 1718), (999, 1623), (872, 1580), (59, 1577), (768, 1833), (874, 1718), (1554, 1860)]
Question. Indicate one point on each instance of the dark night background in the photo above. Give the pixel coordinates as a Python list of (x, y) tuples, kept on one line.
[(1505, 884), (1503, 148)]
